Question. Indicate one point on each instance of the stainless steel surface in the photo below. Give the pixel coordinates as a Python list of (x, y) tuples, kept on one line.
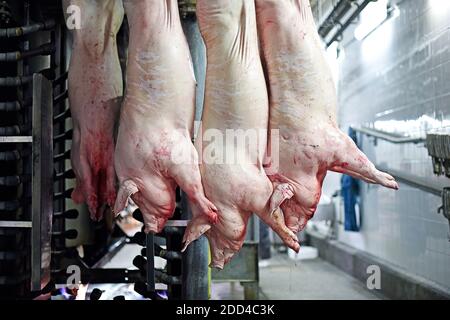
[(243, 267), (195, 282), (16, 139), (253, 229), (393, 138), (15, 224), (42, 181), (177, 223)]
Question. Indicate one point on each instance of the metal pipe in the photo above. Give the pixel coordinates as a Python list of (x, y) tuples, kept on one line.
[(23, 80), (167, 254), (62, 156), (15, 224), (25, 30), (62, 116), (138, 238), (13, 155), (343, 27), (61, 97), (69, 214), (163, 253), (69, 174), (15, 81), (13, 181), (144, 266), (16, 139), (10, 205), (334, 17), (45, 49), (63, 136), (68, 234), (424, 184), (393, 138), (10, 106), (166, 279), (61, 79), (67, 194), (12, 130), (8, 255)]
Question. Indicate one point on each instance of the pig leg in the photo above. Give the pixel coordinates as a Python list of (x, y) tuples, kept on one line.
[(353, 162), (156, 204), (277, 223), (187, 176), (156, 207), (281, 193), (198, 225), (126, 190), (204, 213)]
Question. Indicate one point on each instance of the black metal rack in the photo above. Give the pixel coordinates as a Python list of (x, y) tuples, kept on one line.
[(34, 174), (26, 109)]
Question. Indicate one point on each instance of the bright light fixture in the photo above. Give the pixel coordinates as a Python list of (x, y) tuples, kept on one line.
[(371, 17), (439, 7)]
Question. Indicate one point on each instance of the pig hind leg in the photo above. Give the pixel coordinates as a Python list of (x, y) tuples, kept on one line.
[(187, 176), (353, 162)]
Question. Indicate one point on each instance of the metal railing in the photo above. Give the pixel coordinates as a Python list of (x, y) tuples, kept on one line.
[(432, 186), (387, 136)]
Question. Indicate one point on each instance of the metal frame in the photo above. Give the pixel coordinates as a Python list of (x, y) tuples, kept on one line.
[(242, 268), (42, 181)]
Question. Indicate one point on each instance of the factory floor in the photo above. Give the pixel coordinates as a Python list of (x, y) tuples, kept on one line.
[(284, 279)]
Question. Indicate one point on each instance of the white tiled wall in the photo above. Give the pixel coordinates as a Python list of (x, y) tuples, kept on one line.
[(399, 79)]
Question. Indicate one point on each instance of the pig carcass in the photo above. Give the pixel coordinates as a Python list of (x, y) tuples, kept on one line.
[(236, 106), (95, 91), (303, 108), (154, 150)]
